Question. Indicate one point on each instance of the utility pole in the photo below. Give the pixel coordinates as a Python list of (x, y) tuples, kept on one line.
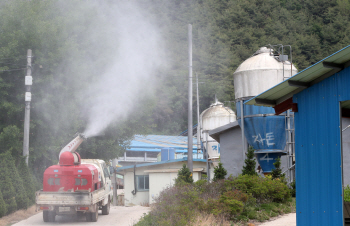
[(190, 124), (28, 98), (198, 121)]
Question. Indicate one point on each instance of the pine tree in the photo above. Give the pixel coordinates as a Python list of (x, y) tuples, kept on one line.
[(22, 200), (3, 208), (6, 187), (219, 172), (27, 179), (184, 176), (249, 168), (277, 172)]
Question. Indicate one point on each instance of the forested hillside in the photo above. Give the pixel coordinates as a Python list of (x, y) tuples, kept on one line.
[(73, 43)]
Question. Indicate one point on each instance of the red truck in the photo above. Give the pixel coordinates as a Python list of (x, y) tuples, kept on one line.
[(75, 186)]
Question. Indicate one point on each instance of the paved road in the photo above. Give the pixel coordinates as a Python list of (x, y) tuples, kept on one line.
[(119, 215)]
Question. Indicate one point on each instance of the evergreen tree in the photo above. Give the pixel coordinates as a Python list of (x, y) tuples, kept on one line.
[(6, 187), (249, 168), (219, 172), (27, 179), (3, 208), (21, 196), (277, 172), (184, 176)]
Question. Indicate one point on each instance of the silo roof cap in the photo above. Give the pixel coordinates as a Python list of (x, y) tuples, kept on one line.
[(262, 50)]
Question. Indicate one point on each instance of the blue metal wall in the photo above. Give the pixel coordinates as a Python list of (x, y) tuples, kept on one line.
[(318, 151)]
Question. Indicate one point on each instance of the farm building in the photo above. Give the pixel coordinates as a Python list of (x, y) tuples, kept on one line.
[(144, 182), (320, 99), (147, 148)]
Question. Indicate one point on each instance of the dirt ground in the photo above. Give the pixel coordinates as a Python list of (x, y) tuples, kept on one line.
[(285, 220), (17, 216), (23, 215)]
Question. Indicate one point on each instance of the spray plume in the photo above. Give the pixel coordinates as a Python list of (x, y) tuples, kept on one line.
[(138, 55)]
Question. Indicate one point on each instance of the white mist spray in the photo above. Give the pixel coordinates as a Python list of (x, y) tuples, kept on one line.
[(138, 56)]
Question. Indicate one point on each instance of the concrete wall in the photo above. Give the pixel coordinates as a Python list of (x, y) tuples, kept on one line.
[(157, 181), (141, 197), (231, 154)]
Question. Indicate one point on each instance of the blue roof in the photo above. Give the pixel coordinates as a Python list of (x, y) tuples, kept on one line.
[(159, 163), (154, 143)]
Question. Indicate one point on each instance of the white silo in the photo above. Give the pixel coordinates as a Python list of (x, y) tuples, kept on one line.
[(264, 131), (215, 116)]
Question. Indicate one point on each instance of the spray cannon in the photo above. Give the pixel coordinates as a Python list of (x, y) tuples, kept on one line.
[(68, 156)]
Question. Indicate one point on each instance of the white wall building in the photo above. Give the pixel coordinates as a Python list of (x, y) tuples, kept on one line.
[(144, 182)]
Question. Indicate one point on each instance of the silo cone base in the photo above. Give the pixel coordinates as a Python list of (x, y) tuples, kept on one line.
[(266, 159)]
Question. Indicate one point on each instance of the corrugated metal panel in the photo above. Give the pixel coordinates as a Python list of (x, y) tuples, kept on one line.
[(318, 151), (156, 142), (283, 90)]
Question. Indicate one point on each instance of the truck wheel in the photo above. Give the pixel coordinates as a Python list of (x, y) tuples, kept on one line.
[(52, 216), (105, 208), (49, 216), (94, 215), (46, 216), (88, 216)]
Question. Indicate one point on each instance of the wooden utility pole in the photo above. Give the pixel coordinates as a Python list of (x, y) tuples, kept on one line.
[(28, 98)]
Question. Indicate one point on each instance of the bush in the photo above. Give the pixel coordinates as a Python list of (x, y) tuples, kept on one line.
[(22, 200), (238, 199), (293, 190), (277, 172), (263, 189), (184, 176), (6, 187), (28, 180), (219, 172), (347, 193)]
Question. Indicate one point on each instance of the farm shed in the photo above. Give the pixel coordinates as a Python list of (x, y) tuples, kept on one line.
[(320, 98), (144, 182)]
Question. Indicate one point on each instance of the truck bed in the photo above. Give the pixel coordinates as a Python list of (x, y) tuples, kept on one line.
[(69, 198)]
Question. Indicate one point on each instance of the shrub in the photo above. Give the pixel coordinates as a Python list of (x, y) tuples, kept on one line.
[(232, 202), (219, 172), (347, 193), (263, 189), (184, 176), (22, 200), (277, 172), (293, 190), (28, 180), (6, 187), (3, 208), (249, 168)]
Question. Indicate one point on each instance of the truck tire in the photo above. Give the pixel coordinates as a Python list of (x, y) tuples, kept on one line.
[(49, 216), (105, 208), (46, 216), (94, 215), (88, 216), (52, 216)]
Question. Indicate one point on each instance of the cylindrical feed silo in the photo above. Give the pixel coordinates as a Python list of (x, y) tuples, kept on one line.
[(264, 131), (215, 116)]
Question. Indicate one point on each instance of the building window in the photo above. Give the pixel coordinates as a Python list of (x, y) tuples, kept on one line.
[(142, 183)]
